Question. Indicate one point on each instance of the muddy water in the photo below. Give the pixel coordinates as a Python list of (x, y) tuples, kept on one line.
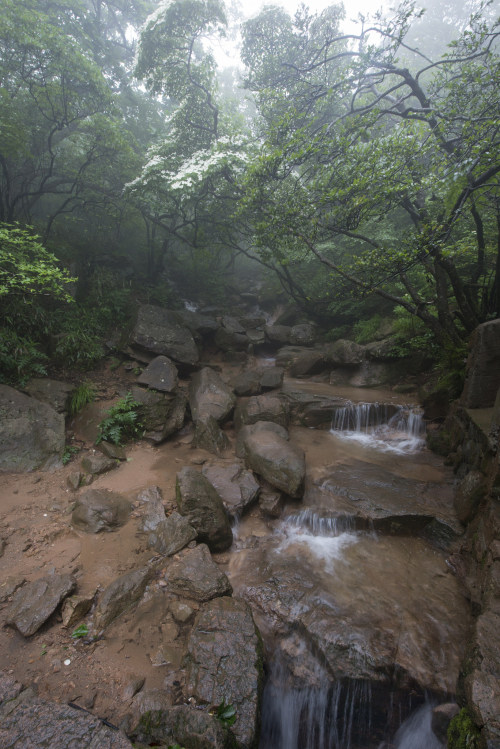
[(356, 621)]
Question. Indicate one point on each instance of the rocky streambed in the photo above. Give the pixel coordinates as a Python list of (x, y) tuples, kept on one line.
[(242, 554)]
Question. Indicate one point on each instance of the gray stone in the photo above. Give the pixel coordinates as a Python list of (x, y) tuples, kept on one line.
[(158, 331), (235, 485), (441, 717), (160, 374), (183, 726), (228, 341), (303, 334), (97, 463), (171, 535), (271, 378), (271, 503), (134, 685), (311, 410), (256, 337), (201, 504), (469, 493), (9, 687), (151, 700), (254, 381), (196, 576), (255, 429), (381, 350), (154, 513), (278, 333), (344, 353), (31, 433), (232, 324), (209, 436), (261, 408), (35, 602), (181, 611), (162, 414), (287, 355), (202, 325), (210, 396), (75, 608), (36, 724), (116, 452), (74, 480), (120, 595), (271, 456), (225, 663), (309, 362), (482, 377), (100, 510), (53, 392)]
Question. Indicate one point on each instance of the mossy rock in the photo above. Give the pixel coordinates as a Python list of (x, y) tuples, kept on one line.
[(463, 732)]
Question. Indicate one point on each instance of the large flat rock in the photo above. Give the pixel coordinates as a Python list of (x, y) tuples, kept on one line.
[(159, 331)]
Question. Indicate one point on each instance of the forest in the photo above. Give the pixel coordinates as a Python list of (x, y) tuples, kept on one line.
[(355, 172)]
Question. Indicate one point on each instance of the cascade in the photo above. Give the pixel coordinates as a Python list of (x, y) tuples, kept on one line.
[(384, 426)]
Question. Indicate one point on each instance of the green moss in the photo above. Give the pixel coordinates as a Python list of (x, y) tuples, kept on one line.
[(463, 732)]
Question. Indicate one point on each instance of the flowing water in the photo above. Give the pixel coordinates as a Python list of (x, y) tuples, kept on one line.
[(352, 591)]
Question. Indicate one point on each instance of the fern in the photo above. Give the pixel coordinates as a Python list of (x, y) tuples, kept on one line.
[(121, 422)]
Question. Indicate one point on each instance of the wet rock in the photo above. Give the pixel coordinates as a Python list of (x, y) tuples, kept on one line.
[(256, 337), (151, 700), (278, 333), (196, 576), (271, 378), (280, 463), (99, 510), (254, 381), (112, 451), (97, 463), (9, 687), (309, 409), (184, 726), (47, 724), (210, 396), (134, 685), (225, 663), (75, 479), (271, 503), (171, 535), (120, 595), (209, 436), (52, 392), (154, 513), (254, 429), (158, 331), (481, 684), (344, 353), (236, 486), (261, 408), (9, 586), (303, 334), (181, 611), (162, 414), (31, 433), (201, 504), (232, 325), (35, 602), (288, 355), (75, 608), (230, 341), (160, 374), (482, 377), (469, 493), (199, 324), (441, 717), (309, 362)]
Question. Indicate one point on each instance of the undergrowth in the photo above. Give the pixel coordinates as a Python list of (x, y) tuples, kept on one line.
[(121, 422)]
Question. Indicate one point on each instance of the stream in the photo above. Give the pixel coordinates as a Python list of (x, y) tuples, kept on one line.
[(362, 619)]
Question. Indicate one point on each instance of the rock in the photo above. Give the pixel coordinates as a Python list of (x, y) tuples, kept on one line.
[(134, 685), (75, 608), (151, 700), (261, 408), (232, 325), (100, 510), (52, 392), (482, 376), (201, 504), (254, 381), (441, 717), (158, 331), (303, 334), (97, 463), (309, 362), (256, 337), (311, 410), (381, 350), (468, 495), (236, 486), (209, 436), (9, 687), (278, 333), (181, 611), (255, 428), (9, 586), (210, 396), (252, 321), (200, 325), (271, 378), (75, 479), (162, 414), (120, 595), (35, 602), (172, 535), (344, 353), (287, 355), (47, 724), (31, 433), (160, 374), (3, 544), (196, 576), (225, 663), (270, 455), (183, 726), (271, 503), (112, 451), (228, 341), (154, 511)]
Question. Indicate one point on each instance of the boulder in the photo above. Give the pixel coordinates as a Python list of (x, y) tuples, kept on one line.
[(469, 493), (278, 333), (256, 337), (309, 362), (482, 376), (158, 331), (209, 436), (261, 408), (75, 608), (230, 341), (171, 535), (271, 456), (35, 602), (120, 595), (36, 724), (201, 325), (271, 503), (53, 392), (442, 715), (271, 378), (225, 663), (235, 485), (303, 334), (344, 353), (31, 433), (154, 513), (232, 324), (160, 374), (287, 355), (210, 396), (311, 410), (183, 726), (100, 510), (201, 504), (196, 576), (162, 414), (254, 381), (96, 463)]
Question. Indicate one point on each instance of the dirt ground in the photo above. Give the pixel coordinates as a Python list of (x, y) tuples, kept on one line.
[(37, 536)]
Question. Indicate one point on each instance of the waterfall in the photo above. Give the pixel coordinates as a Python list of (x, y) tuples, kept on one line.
[(321, 525), (416, 732), (383, 426)]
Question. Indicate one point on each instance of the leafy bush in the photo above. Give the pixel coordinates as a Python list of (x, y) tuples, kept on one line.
[(84, 393), (68, 453), (20, 359), (121, 422), (366, 330), (78, 340)]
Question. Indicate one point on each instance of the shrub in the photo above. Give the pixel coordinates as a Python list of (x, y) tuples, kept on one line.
[(121, 422), (20, 359), (84, 393)]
